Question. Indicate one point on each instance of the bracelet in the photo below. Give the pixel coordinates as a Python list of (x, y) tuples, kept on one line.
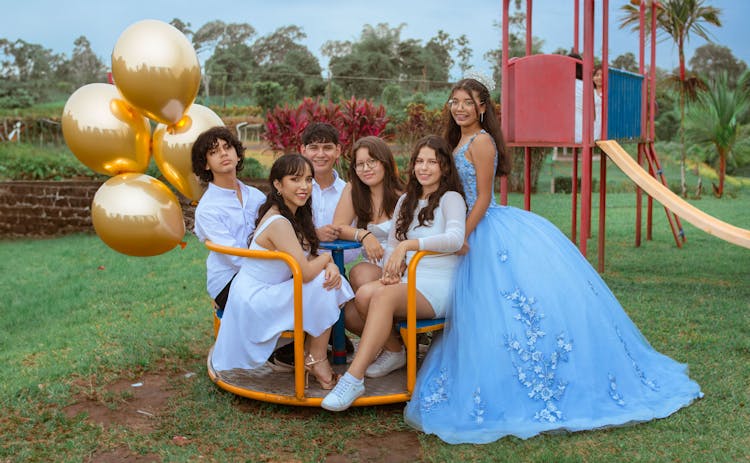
[(365, 236), (356, 235)]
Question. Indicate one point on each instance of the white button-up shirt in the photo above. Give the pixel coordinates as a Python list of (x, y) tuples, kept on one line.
[(324, 202), (221, 218)]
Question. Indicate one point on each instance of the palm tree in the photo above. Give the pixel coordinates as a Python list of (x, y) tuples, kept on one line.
[(678, 19), (715, 119)]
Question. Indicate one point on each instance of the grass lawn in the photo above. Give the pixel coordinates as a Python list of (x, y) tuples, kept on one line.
[(83, 324)]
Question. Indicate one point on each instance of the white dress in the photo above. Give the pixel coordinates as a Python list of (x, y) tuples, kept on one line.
[(598, 115), (380, 232), (446, 235), (260, 307)]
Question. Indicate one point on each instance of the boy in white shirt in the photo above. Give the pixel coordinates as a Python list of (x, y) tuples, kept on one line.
[(227, 211), (320, 144)]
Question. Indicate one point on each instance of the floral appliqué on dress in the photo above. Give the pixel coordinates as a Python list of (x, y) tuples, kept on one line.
[(536, 370), (478, 412), (435, 393)]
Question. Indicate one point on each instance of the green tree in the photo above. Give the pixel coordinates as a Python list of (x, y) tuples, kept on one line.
[(667, 121), (364, 67), (715, 120), (464, 53), (283, 60), (711, 60), (516, 42), (372, 62), (84, 66), (268, 94), (438, 59), (229, 71), (677, 19), (182, 26), (220, 41), (626, 62), (29, 69)]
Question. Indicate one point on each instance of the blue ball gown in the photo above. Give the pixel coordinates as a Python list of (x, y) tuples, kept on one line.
[(536, 341)]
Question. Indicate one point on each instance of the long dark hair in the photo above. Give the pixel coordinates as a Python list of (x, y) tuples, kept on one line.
[(449, 181), (207, 141), (302, 220), (392, 184), (490, 124)]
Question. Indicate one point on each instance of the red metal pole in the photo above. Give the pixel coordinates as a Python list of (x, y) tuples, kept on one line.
[(605, 68), (526, 149), (529, 36), (588, 110), (527, 178), (638, 201), (504, 97), (650, 205), (576, 32), (603, 121), (641, 70), (574, 193), (602, 207)]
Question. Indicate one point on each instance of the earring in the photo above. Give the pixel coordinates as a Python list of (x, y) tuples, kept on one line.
[(481, 117), (278, 193)]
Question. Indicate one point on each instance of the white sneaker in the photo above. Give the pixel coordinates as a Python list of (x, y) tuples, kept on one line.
[(386, 362), (343, 394)]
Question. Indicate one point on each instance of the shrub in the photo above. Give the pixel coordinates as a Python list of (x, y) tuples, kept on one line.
[(391, 95), (252, 168), (284, 126), (419, 122), (235, 111), (24, 161), (20, 98), (565, 185), (268, 94), (353, 118), (359, 118)]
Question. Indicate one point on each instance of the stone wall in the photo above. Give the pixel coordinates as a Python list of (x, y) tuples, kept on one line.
[(46, 209)]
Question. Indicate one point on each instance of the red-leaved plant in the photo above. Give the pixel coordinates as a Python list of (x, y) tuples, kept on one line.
[(419, 122), (284, 126), (353, 118), (359, 118)]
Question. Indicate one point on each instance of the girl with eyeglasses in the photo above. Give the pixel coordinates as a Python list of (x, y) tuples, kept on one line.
[(365, 210), (429, 216)]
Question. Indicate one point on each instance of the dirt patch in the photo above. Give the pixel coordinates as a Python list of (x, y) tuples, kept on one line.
[(133, 404), (123, 455), (393, 447)]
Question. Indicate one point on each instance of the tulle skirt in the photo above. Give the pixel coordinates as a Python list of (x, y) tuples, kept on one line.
[(535, 342)]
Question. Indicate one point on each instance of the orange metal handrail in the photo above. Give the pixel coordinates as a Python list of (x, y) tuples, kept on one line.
[(411, 320), (299, 379), (299, 334)]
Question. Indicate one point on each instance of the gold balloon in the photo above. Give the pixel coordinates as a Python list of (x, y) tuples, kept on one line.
[(156, 69), (137, 215), (172, 147), (104, 132)]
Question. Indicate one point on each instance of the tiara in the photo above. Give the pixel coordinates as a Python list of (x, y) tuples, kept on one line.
[(481, 78)]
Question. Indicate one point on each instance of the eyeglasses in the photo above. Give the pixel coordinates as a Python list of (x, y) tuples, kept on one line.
[(370, 164), (455, 103)]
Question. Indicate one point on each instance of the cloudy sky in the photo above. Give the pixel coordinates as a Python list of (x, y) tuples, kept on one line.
[(56, 24)]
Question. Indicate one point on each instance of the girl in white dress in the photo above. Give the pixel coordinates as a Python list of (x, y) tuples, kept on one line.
[(429, 216), (598, 116), (364, 213), (260, 304)]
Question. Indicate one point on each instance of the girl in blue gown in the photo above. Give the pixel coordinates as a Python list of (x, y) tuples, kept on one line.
[(535, 341)]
